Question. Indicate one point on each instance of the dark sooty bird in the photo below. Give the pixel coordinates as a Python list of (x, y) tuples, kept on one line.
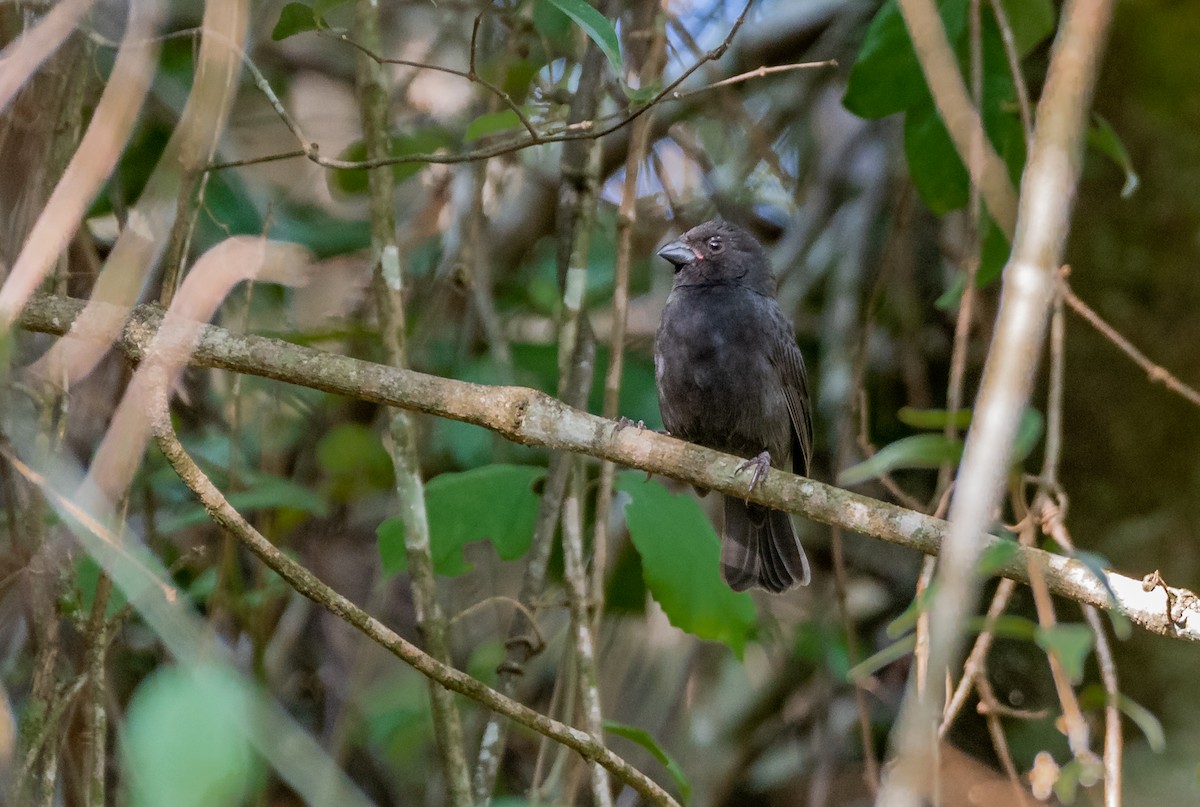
[(730, 377)]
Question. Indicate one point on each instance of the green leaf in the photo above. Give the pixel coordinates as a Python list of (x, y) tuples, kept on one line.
[(1007, 626), (641, 95), (1031, 22), (886, 77), (1104, 138), (354, 180), (937, 172), (491, 123), (917, 451), (994, 253), (186, 739), (907, 620), (496, 503), (323, 7), (1146, 721), (355, 461), (626, 589), (265, 492), (933, 419), (324, 234), (681, 563), (294, 18), (647, 741), (893, 652), (552, 26), (87, 576), (1071, 643), (1029, 434), (593, 23), (996, 556)]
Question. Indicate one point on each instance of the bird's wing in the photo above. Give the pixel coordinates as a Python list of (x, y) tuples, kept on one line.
[(794, 380)]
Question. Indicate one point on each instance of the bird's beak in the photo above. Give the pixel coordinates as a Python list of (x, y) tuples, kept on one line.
[(678, 253)]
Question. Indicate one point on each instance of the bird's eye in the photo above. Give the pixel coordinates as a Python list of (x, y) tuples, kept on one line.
[(714, 244)]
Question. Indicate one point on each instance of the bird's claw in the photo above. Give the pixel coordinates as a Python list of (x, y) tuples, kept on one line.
[(625, 423), (760, 465)]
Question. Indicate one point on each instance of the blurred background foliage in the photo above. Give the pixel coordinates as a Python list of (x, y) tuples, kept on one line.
[(844, 171)]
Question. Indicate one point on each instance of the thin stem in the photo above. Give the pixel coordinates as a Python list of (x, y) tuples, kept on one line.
[(578, 130), (410, 488), (1155, 372)]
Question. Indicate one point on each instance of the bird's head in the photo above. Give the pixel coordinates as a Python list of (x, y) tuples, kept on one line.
[(717, 252)]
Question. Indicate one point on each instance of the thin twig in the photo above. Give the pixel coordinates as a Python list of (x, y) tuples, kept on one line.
[(1113, 741), (626, 220), (470, 75), (581, 130), (1156, 373), (1014, 67), (758, 72)]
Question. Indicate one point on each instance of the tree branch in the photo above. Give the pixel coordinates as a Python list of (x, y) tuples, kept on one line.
[(531, 417), (308, 584)]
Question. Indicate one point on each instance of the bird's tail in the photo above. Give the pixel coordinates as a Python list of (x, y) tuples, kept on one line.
[(760, 548)]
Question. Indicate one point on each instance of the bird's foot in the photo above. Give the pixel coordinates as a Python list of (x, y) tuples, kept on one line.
[(758, 466), (625, 423)]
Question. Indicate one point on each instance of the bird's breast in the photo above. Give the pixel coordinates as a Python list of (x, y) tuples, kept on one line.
[(717, 385)]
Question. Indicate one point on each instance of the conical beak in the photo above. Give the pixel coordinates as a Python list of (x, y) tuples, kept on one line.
[(678, 253)]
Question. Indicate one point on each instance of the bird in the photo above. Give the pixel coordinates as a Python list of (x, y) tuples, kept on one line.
[(731, 377)]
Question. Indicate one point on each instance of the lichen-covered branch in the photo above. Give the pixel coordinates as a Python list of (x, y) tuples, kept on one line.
[(531, 417)]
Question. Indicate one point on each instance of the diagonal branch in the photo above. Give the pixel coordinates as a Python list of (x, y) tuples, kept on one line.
[(308, 584)]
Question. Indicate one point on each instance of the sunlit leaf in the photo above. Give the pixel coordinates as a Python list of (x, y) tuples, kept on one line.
[(496, 503), (594, 24), (1146, 721), (917, 451), (681, 563), (646, 740), (641, 95)]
